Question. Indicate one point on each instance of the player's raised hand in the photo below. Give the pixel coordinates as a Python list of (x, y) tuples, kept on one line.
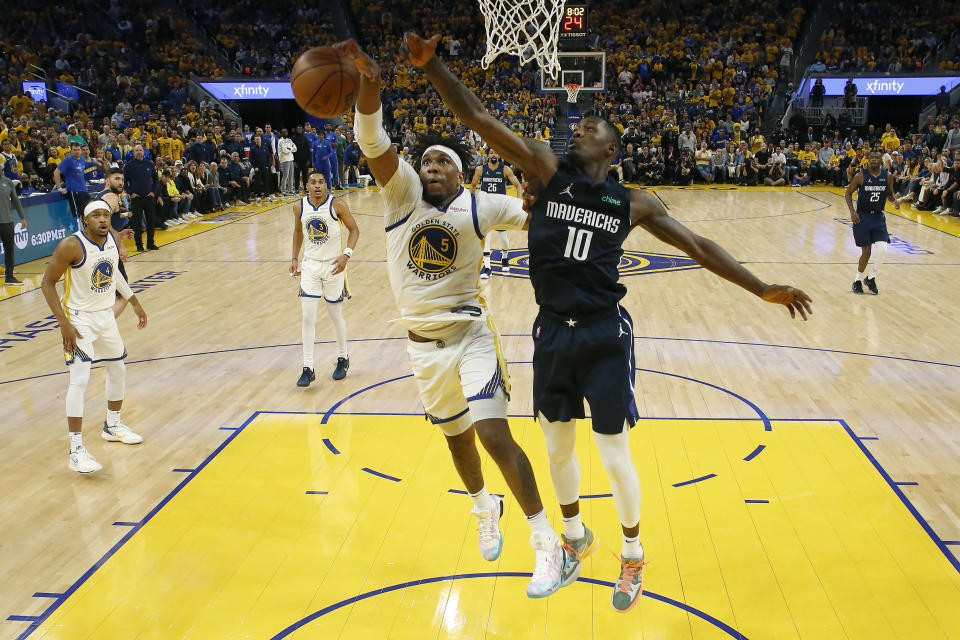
[(416, 50), (530, 195), (364, 63), (794, 299)]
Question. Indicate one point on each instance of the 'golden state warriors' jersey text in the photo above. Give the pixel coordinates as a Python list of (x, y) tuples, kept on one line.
[(434, 255), (91, 285), (321, 230)]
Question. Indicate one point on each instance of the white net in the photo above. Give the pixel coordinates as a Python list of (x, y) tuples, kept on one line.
[(573, 90), (528, 29)]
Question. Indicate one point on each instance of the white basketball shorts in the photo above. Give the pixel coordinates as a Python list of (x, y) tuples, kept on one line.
[(317, 281), (463, 379), (99, 336)]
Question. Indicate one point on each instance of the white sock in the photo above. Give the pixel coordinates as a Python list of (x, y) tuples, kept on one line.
[(861, 275), (481, 500), (76, 441), (573, 527), (631, 548), (308, 328), (113, 418), (539, 524), (335, 311), (877, 256), (486, 259)]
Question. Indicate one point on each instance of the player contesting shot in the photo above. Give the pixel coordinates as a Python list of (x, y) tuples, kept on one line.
[(583, 338)]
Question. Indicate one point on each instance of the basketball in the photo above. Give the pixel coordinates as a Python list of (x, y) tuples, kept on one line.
[(324, 82)]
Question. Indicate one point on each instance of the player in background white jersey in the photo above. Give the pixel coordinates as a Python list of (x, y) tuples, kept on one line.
[(88, 261), (317, 218), (434, 232)]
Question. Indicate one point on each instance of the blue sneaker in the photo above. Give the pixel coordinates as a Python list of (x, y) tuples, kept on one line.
[(341, 371), (306, 377), (577, 550)]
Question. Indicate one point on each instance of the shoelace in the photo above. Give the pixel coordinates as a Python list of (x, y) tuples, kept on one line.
[(488, 530), (628, 572), (543, 563)]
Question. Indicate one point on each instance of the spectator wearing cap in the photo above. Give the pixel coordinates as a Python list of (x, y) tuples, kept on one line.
[(68, 178)]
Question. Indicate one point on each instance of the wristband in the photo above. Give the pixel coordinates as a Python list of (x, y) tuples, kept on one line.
[(368, 127), (348, 252)]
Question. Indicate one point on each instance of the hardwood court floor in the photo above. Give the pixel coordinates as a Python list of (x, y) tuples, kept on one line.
[(327, 512)]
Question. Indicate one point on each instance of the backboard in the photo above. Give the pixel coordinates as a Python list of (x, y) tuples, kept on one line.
[(586, 68)]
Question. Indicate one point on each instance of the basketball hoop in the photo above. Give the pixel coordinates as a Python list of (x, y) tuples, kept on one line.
[(573, 90), (528, 29)]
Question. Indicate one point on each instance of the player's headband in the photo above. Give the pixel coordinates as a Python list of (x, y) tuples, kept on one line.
[(95, 205), (447, 151)]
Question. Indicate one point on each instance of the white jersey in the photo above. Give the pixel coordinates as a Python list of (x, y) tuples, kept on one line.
[(91, 285), (434, 255), (321, 230)]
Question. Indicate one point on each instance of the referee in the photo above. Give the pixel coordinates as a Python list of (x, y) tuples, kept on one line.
[(70, 171)]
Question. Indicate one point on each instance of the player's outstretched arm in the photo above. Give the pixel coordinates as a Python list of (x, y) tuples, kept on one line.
[(382, 158), (534, 158), (647, 212), (848, 196)]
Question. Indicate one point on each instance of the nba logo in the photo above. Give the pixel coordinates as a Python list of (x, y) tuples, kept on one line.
[(537, 335)]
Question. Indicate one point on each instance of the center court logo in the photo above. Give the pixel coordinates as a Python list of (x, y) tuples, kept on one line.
[(632, 263), (317, 231), (433, 249), (102, 276)]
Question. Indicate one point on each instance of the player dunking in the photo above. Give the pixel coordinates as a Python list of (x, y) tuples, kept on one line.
[(583, 338), (323, 272), (869, 223), (90, 258), (491, 176), (434, 234)]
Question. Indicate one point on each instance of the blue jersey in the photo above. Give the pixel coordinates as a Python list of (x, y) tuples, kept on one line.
[(322, 151), (872, 194), (333, 140), (492, 180), (312, 140), (576, 239), (72, 170)]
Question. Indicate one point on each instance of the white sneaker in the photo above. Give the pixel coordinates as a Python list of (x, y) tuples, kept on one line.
[(488, 529), (938, 211), (548, 565), (259, 199), (183, 221), (120, 433), (82, 462), (168, 223)]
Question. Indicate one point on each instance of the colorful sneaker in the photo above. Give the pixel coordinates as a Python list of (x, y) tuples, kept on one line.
[(549, 559), (82, 462), (872, 285), (857, 287), (341, 371), (306, 377), (120, 433), (577, 550), (488, 529), (629, 586)]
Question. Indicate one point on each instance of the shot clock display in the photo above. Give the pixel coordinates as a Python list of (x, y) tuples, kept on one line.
[(574, 21)]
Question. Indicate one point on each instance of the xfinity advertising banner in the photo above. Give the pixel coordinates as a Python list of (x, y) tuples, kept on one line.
[(889, 86), (267, 90), (48, 222)]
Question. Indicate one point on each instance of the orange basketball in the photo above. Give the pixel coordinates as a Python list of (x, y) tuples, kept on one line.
[(324, 82)]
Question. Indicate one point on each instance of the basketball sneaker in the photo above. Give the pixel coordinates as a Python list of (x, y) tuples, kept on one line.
[(629, 586), (341, 371), (82, 462), (577, 549), (485, 273), (306, 377), (549, 559), (857, 287), (10, 281), (120, 433), (872, 285), (488, 529), (504, 267)]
